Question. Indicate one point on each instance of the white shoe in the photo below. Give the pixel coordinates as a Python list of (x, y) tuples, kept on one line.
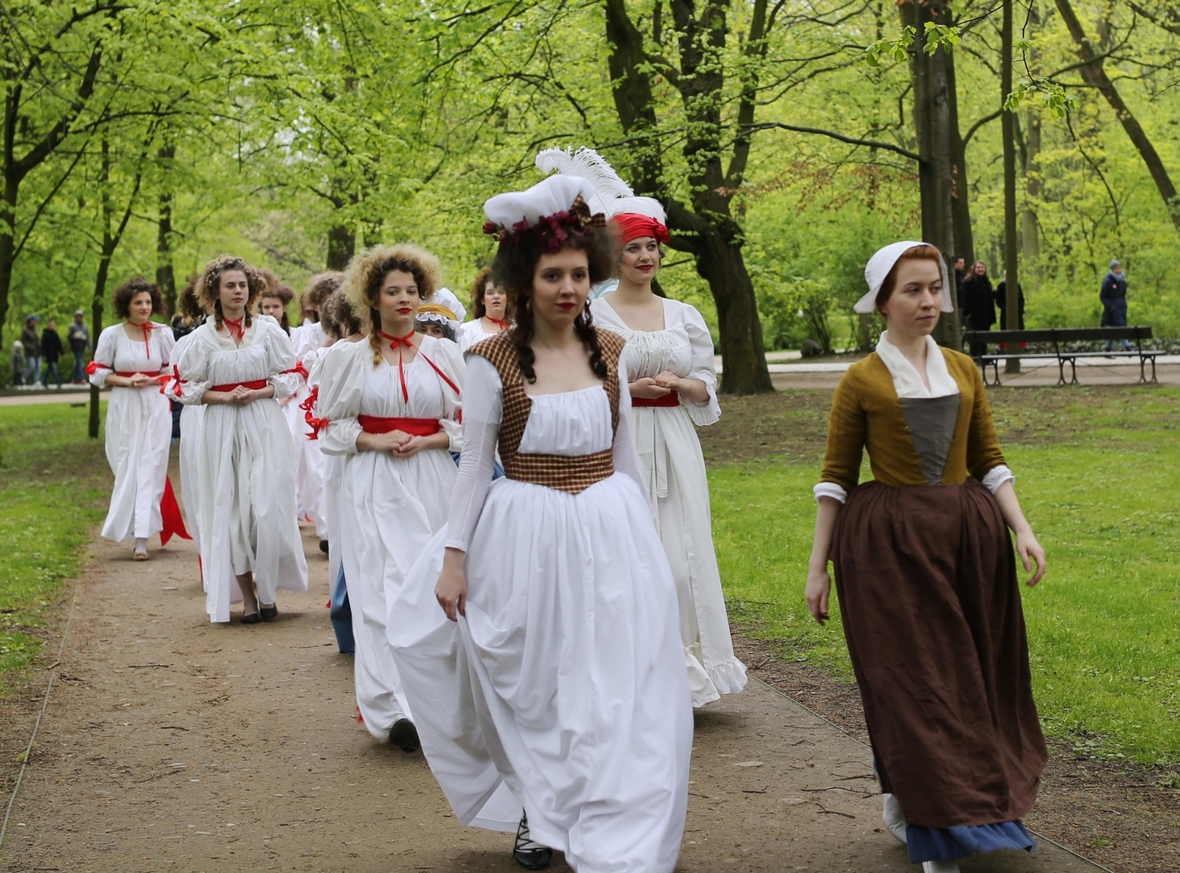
[(893, 818), (940, 867)]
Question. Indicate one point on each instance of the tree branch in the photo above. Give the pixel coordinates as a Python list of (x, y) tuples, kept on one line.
[(851, 140)]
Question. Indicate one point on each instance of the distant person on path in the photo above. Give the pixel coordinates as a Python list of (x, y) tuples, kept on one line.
[(128, 359), (1114, 301), (18, 364), (979, 310), (79, 339), (1002, 303), (960, 276), (31, 342), (51, 352), (927, 578)]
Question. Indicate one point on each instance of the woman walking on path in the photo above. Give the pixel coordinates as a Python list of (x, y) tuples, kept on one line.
[(927, 578), (236, 365), (490, 304), (977, 299), (390, 407), (129, 359), (669, 356), (564, 678)]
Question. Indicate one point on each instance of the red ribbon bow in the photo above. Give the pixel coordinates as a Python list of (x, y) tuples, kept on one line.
[(316, 424), (147, 328), (175, 375), (396, 342), (300, 369), (500, 322), (234, 326), (94, 366)]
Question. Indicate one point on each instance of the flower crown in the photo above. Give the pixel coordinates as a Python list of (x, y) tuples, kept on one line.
[(551, 230)]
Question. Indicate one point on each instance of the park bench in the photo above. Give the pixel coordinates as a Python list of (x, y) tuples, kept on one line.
[(1058, 340)]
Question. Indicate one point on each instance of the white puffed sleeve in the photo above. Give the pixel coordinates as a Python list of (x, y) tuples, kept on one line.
[(281, 357), (103, 363), (624, 455), (830, 489), (192, 367), (997, 476), (483, 408), (342, 380), (448, 358), (167, 342), (702, 367)]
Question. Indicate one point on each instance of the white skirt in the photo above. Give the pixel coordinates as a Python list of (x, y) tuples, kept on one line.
[(138, 437), (565, 680)]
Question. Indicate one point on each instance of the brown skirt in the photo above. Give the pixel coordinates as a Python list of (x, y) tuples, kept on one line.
[(930, 601)]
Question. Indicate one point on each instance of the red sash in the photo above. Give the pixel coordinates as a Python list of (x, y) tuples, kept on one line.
[(253, 385), (668, 401), (170, 514), (412, 426)]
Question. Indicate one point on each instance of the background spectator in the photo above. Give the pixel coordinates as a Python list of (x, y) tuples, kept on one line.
[(79, 339), (979, 309), (31, 343), (51, 352), (1002, 303), (18, 364), (1114, 301)]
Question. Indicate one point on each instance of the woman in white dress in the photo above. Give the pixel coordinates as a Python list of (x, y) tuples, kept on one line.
[(390, 408), (237, 365), (129, 359), (192, 418), (673, 387), (561, 688), (490, 303)]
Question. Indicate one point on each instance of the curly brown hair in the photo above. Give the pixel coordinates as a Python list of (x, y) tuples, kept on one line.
[(276, 289), (209, 285), (338, 317), (126, 292), (477, 289), (319, 288), (367, 271), (514, 268), (190, 307)]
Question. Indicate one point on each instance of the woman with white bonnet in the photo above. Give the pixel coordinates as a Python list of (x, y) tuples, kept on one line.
[(561, 688), (927, 580)]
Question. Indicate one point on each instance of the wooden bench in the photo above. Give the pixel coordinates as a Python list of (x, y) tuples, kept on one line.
[(1057, 338)]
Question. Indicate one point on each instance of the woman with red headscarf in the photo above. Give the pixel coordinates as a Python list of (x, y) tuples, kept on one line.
[(669, 356)]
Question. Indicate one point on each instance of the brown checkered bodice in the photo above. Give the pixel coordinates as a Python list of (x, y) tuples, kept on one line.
[(572, 475)]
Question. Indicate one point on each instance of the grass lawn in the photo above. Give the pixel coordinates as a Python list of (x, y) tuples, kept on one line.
[(54, 485), (1098, 473)]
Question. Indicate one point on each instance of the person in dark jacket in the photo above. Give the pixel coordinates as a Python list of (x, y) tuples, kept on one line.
[(1114, 301), (1002, 304), (51, 352), (32, 345), (979, 310), (79, 339)]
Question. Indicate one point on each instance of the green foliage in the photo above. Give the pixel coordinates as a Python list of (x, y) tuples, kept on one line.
[(1100, 626), (53, 488)]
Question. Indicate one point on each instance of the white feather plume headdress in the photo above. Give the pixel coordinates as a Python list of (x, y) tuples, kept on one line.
[(612, 196)]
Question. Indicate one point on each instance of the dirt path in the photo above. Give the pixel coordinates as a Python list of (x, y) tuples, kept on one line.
[(174, 745)]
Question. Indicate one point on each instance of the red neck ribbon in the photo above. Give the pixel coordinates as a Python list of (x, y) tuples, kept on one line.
[(499, 322), (147, 337), (396, 342), (235, 326)]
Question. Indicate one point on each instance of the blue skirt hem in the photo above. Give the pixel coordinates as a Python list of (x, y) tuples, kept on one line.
[(951, 844)]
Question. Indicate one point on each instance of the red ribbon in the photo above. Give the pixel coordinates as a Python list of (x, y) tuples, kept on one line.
[(500, 322), (412, 426), (176, 375), (253, 385), (94, 366), (300, 369), (396, 342), (668, 401), (234, 326), (170, 514), (316, 424), (147, 328)]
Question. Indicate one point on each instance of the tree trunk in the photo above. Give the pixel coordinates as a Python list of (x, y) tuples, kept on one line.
[(1008, 131), (1095, 76), (341, 246), (1030, 232), (932, 123), (7, 247), (165, 276), (960, 202)]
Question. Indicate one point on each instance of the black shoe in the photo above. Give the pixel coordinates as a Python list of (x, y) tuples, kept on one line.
[(324, 546), (530, 854), (404, 735), (252, 618), (268, 613)]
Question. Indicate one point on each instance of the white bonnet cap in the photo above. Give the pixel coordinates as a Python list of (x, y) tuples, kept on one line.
[(883, 261), (551, 195), (447, 298)]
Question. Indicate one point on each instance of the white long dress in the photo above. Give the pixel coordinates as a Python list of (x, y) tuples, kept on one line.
[(565, 682), (673, 468), (138, 430), (308, 343), (389, 507), (472, 332), (247, 492), (192, 419)]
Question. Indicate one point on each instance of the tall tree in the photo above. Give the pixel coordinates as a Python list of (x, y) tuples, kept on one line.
[(1008, 132)]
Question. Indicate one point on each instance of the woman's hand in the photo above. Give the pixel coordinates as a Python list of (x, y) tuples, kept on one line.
[(819, 586), (693, 390), (451, 590), (139, 380), (1030, 551), (648, 389), (411, 446), (669, 380)]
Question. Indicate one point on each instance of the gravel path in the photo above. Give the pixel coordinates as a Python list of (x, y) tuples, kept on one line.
[(174, 745)]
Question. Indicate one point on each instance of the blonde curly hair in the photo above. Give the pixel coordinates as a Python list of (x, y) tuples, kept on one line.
[(366, 272), (208, 288)]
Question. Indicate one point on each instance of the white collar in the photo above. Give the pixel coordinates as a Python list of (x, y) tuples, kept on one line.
[(906, 379)]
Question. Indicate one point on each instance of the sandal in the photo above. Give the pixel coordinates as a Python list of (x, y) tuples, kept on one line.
[(139, 556), (528, 853)]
